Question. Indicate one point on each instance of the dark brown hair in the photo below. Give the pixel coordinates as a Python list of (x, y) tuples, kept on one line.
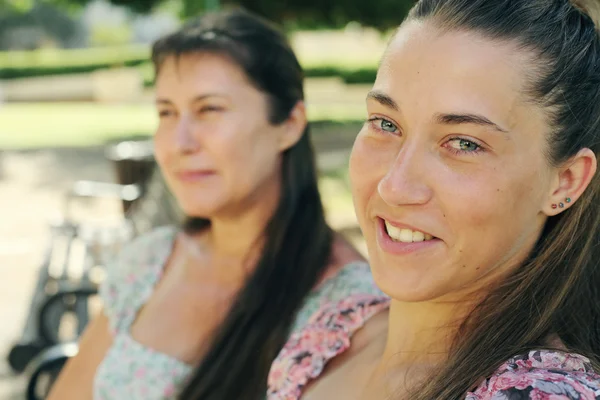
[(557, 290), (298, 239)]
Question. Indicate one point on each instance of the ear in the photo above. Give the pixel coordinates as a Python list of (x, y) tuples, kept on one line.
[(571, 181), (293, 127)]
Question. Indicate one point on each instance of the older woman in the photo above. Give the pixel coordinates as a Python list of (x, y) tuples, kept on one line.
[(203, 310)]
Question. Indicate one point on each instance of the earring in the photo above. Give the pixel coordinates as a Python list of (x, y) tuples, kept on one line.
[(567, 200), (561, 204)]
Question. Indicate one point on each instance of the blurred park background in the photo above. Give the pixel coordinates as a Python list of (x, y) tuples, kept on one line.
[(75, 79)]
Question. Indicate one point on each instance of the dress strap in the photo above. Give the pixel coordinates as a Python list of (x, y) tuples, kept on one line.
[(327, 335)]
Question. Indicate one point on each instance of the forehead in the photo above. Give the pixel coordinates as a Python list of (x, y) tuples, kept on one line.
[(455, 71), (200, 71)]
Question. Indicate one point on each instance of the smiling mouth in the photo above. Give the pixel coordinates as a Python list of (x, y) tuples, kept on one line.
[(405, 235)]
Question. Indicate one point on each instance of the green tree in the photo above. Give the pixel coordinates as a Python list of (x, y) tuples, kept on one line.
[(15, 6), (380, 14)]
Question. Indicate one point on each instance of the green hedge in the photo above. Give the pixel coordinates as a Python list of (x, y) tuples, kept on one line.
[(60, 62), (362, 75), (359, 76), (24, 64)]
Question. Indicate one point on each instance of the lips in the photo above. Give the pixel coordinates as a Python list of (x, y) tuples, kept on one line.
[(194, 175), (399, 239)]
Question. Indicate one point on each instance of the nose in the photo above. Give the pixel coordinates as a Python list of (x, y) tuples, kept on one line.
[(405, 182), (185, 140)]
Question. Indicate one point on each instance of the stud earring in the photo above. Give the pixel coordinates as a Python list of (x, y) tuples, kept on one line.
[(561, 204)]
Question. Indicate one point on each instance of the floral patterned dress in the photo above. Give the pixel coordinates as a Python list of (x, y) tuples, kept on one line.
[(540, 375), (131, 371)]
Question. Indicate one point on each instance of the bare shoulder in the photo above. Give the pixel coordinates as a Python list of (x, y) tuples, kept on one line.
[(77, 377), (345, 374)]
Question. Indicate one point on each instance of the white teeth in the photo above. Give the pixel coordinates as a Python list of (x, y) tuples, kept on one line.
[(406, 235), (418, 236), (393, 231)]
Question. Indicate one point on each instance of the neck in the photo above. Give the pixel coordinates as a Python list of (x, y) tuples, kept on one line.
[(419, 338), (236, 239), (238, 236), (420, 333), (423, 332)]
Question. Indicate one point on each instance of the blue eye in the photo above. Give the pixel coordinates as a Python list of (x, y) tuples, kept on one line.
[(383, 125), (461, 146), (387, 126)]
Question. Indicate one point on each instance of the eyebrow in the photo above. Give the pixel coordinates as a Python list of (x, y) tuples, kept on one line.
[(446, 119), (195, 99), (383, 99), (457, 119)]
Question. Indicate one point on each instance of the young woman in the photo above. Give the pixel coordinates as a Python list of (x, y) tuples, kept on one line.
[(476, 187)]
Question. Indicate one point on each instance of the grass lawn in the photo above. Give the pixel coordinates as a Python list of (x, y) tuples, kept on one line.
[(37, 125)]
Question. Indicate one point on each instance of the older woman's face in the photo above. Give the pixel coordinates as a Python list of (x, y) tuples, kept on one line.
[(215, 145), (449, 175)]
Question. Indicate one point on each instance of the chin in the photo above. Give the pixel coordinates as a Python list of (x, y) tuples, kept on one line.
[(197, 211), (406, 293), (199, 205), (407, 284)]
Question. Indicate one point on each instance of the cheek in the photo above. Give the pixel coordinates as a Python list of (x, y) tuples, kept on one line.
[(368, 164), (162, 148), (492, 194), (247, 158), (492, 214), (360, 174)]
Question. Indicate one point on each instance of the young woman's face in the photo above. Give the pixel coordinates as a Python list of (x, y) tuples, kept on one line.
[(215, 145), (449, 175)]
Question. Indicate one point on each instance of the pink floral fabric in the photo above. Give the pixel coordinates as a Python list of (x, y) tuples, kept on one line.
[(131, 371), (539, 375), (326, 335)]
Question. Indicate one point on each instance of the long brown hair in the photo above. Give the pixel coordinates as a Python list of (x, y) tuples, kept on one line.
[(298, 239), (557, 289)]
